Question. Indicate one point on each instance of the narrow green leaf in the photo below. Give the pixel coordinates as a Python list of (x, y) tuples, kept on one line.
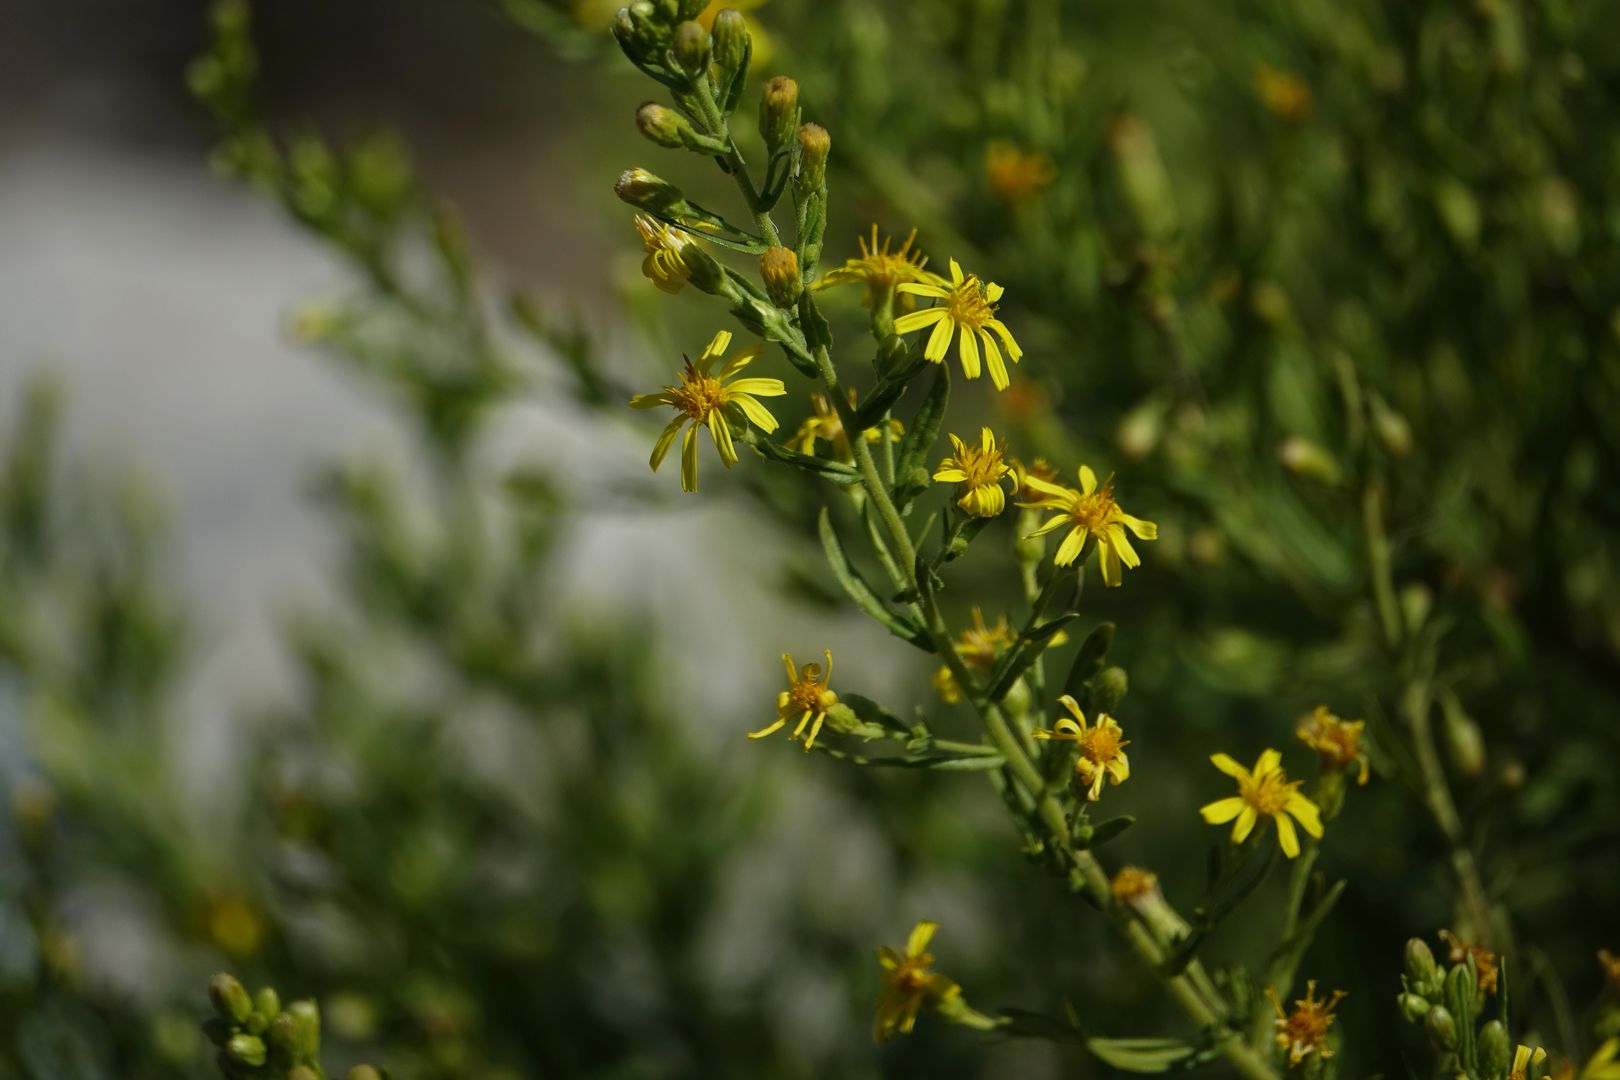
[(1025, 652), (924, 430), (1108, 830), (1142, 1055), (836, 471), (860, 592), (1089, 660)]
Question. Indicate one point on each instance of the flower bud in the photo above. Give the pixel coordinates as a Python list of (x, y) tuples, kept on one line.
[(780, 269), (1441, 1028), (1108, 688), (731, 46), (302, 1072), (1493, 1049), (1303, 457), (296, 1033), (814, 146), (638, 187), (778, 111), (690, 9), (246, 1049), (364, 1072), (1391, 428), (1413, 1007), (636, 30), (690, 48), (230, 998), (1462, 990), (266, 1003), (1420, 966), (1465, 745)]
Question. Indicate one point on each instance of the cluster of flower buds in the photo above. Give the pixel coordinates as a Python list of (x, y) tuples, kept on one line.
[(260, 1040), (1449, 1001), (704, 67)]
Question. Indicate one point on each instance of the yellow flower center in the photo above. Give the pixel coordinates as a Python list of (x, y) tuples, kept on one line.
[(1093, 512), (1101, 743), (913, 974), (968, 308), (983, 467), (699, 394), (1133, 883), (1268, 793), (808, 693)]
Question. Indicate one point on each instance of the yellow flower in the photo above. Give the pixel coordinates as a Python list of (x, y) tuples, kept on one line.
[(881, 269), (1016, 175), (1337, 741), (1091, 511), (1524, 1059), (1603, 1065), (970, 307), (979, 646), (1485, 966), (977, 473), (1304, 1031), (825, 424), (909, 984), (806, 699), (1102, 750), (664, 265), (1265, 792), (704, 399)]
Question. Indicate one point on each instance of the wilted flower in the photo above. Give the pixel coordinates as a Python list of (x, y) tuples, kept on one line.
[(1485, 965), (1337, 741), (880, 269), (806, 699), (1303, 1031), (909, 984), (979, 647)]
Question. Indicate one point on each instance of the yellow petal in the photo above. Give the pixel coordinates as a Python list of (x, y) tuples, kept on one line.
[(1088, 480), (1245, 824), (1268, 762), (1305, 810), (916, 320), (1221, 811), (1228, 765), (921, 935), (665, 438), (689, 459), (1069, 550), (939, 341), (770, 729), (968, 349), (1287, 837)]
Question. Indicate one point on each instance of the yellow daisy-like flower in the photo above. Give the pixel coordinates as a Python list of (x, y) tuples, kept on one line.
[(969, 306), (664, 265), (1304, 1031), (1102, 747), (977, 472), (1091, 511), (806, 700), (909, 984), (1016, 175), (1526, 1059), (704, 399), (1264, 792), (979, 646), (1485, 965), (1337, 741), (825, 424), (1604, 1064), (880, 269)]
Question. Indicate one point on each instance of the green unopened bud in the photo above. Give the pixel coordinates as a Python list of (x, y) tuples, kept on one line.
[(1441, 1028), (730, 44), (230, 998), (637, 30), (1413, 1007), (1493, 1049), (246, 1049), (690, 48), (296, 1033), (666, 127), (364, 1072), (640, 188), (1421, 969), (814, 146), (1303, 457), (778, 112), (1108, 688), (1462, 991), (302, 1072), (267, 1003), (780, 269), (1391, 427), (690, 9), (1465, 744)]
